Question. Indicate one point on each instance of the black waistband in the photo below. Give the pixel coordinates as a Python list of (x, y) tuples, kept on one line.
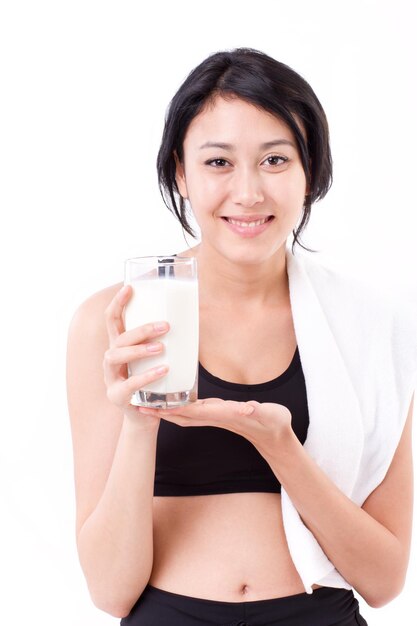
[(335, 605)]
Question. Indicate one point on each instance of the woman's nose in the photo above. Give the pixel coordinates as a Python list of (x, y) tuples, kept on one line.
[(246, 188)]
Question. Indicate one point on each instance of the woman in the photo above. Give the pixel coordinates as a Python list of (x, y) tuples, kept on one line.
[(246, 145)]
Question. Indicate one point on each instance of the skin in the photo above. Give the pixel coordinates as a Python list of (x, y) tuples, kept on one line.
[(248, 180), (369, 545), (126, 536)]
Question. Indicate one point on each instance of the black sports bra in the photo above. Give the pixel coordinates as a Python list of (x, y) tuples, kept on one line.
[(208, 460)]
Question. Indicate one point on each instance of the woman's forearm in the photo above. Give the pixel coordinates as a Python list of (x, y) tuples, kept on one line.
[(115, 543), (365, 552)]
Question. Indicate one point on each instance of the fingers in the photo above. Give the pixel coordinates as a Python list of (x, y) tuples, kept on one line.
[(115, 324), (118, 356), (210, 412), (128, 346), (141, 333), (213, 408), (114, 311), (116, 359), (120, 391), (240, 408)]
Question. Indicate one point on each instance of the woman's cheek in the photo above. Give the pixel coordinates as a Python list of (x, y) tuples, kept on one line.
[(205, 195)]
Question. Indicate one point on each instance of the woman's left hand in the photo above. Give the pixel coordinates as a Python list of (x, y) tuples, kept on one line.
[(263, 424)]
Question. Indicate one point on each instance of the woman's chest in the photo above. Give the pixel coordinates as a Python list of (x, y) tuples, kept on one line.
[(248, 349), (206, 460)]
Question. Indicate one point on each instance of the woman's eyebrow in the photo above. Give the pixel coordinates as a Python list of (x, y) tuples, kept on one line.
[(263, 146)]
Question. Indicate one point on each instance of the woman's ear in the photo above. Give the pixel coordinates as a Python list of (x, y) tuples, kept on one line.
[(180, 177)]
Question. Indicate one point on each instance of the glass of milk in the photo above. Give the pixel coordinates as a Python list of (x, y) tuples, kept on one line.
[(165, 289)]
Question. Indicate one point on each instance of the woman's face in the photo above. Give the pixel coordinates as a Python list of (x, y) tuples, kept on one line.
[(241, 165)]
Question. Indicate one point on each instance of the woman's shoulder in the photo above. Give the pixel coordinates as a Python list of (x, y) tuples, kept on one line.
[(88, 316), (102, 297)]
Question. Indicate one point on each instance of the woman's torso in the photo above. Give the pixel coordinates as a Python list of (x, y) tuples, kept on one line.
[(230, 547)]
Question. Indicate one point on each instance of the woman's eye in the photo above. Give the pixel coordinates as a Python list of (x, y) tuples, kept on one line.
[(217, 162), (272, 160)]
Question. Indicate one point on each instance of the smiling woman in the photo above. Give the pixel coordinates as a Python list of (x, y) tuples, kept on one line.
[(288, 484), (271, 87), (241, 185)]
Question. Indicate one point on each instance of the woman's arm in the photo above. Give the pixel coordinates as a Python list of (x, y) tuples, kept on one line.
[(368, 545), (114, 463)]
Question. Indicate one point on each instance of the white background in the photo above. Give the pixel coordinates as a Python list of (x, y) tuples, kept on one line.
[(85, 86)]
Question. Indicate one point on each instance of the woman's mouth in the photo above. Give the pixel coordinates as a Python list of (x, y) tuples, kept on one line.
[(247, 228)]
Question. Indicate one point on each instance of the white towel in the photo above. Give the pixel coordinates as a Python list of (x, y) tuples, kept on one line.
[(358, 351)]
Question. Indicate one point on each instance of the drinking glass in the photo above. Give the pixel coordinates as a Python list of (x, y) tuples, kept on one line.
[(165, 289)]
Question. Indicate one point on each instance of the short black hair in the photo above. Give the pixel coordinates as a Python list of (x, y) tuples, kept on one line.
[(257, 78)]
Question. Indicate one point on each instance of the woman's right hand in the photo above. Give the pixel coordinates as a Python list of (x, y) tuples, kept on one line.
[(126, 346)]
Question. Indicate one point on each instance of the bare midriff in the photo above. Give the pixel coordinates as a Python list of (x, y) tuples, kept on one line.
[(225, 547), (230, 547)]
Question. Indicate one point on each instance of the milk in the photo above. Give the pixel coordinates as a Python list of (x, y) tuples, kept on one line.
[(174, 300)]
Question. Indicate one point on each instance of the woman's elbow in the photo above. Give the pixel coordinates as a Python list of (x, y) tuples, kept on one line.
[(384, 596), (116, 607), (112, 609)]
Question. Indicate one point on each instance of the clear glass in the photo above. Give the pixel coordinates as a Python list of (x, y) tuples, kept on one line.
[(165, 289)]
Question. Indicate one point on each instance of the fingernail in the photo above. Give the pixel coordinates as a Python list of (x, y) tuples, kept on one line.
[(160, 326), (153, 347), (247, 409), (161, 369)]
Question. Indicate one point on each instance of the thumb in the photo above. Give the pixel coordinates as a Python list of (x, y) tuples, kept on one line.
[(270, 408)]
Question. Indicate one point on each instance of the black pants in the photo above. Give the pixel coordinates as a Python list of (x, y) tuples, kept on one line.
[(326, 606)]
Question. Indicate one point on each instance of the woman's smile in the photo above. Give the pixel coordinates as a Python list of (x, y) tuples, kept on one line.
[(250, 226), (241, 165)]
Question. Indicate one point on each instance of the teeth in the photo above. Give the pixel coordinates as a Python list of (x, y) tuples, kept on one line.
[(247, 224)]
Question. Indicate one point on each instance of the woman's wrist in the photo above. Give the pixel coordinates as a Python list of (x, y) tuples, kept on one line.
[(283, 446), (135, 422)]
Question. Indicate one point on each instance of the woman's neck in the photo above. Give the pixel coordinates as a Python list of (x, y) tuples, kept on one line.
[(224, 283)]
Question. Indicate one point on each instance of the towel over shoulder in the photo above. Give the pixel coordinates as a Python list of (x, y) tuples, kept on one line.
[(358, 350)]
